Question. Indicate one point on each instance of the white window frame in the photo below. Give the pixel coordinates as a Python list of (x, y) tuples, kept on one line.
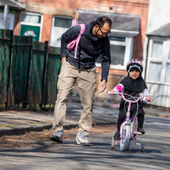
[(169, 8), (164, 60), (128, 51), (32, 24), (11, 16)]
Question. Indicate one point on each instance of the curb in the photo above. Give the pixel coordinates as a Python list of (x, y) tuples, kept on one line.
[(24, 129), (39, 128)]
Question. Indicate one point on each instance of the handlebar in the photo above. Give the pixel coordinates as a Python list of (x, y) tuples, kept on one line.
[(141, 96)]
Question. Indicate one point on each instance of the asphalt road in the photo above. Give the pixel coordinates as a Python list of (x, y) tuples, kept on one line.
[(69, 156)]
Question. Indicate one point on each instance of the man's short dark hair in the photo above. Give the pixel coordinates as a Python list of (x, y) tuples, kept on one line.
[(100, 21)]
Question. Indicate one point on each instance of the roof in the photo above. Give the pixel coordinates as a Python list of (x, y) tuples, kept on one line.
[(12, 4), (163, 31), (122, 22)]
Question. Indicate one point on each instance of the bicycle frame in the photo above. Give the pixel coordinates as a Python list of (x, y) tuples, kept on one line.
[(130, 122)]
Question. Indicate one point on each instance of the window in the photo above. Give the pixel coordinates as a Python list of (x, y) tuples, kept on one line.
[(10, 21), (30, 18), (62, 22), (121, 51), (159, 61)]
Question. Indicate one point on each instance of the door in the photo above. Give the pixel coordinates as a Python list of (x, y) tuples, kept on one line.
[(31, 25), (59, 26), (33, 31)]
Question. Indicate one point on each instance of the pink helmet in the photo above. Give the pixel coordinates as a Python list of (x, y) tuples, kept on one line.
[(134, 63)]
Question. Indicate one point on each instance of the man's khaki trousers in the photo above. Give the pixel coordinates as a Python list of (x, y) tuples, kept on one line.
[(86, 83)]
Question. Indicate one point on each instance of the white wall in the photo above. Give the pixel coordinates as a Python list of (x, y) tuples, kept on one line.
[(158, 14)]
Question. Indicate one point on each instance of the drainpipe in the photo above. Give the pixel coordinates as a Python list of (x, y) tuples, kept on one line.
[(147, 51), (5, 17)]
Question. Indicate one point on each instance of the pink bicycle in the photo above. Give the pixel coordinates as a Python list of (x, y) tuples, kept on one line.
[(127, 130)]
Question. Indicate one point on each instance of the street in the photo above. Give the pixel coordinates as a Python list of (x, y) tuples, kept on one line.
[(69, 156)]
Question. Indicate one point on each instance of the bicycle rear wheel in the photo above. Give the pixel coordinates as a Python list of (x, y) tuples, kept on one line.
[(124, 141)]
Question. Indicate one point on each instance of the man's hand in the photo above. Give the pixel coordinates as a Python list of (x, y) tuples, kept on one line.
[(63, 59), (111, 92), (102, 86)]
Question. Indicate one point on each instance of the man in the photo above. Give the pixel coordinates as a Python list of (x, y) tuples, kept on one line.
[(94, 42)]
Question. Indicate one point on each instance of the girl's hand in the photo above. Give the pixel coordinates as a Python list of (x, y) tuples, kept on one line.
[(148, 98)]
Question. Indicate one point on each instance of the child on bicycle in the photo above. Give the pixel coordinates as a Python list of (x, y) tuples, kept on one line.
[(133, 85)]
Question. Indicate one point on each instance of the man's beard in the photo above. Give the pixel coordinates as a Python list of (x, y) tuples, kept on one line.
[(96, 31)]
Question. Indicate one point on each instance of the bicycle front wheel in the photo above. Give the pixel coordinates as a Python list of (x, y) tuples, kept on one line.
[(125, 137)]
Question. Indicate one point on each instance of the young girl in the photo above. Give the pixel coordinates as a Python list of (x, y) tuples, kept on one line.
[(133, 85)]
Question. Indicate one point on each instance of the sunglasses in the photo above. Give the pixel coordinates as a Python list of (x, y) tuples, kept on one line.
[(104, 33)]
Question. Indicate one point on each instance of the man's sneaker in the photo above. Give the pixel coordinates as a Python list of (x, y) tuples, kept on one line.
[(141, 130), (81, 139), (117, 135), (57, 136)]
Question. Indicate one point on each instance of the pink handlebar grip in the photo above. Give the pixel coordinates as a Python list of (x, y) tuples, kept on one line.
[(119, 88)]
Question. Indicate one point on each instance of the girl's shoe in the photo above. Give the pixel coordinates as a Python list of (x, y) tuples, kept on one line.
[(117, 135), (141, 130)]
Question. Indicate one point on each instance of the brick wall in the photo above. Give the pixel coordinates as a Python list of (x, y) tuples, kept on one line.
[(17, 23), (46, 32)]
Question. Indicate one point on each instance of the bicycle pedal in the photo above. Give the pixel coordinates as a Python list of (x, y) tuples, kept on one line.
[(116, 139), (138, 133)]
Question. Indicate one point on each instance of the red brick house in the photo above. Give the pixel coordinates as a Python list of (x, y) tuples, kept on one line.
[(46, 20)]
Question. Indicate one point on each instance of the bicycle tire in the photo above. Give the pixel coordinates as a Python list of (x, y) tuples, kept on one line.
[(124, 141), (129, 146)]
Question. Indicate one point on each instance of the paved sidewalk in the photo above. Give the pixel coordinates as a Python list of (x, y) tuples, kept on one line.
[(19, 122)]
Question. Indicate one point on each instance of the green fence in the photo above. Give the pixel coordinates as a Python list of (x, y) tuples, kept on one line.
[(37, 71), (5, 58), (29, 70), (53, 69)]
